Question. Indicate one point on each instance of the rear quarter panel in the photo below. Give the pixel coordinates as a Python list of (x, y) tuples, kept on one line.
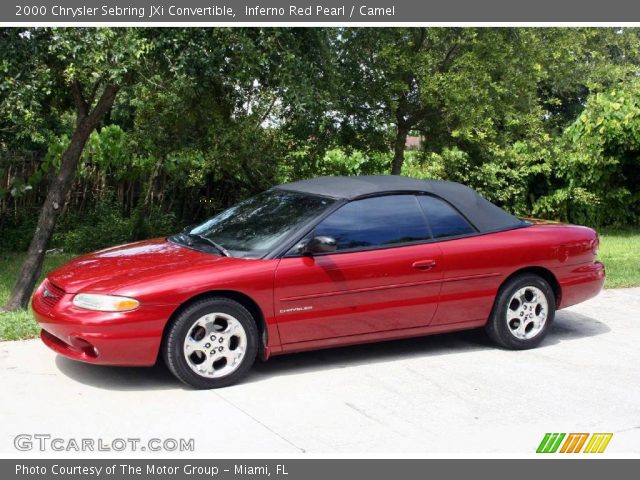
[(476, 267)]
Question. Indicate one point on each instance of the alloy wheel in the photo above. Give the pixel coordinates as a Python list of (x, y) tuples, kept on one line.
[(215, 345), (527, 312)]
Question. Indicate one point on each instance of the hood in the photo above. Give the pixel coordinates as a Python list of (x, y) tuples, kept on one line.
[(107, 270)]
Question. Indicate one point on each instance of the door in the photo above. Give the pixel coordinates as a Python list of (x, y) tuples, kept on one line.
[(473, 262), (385, 275)]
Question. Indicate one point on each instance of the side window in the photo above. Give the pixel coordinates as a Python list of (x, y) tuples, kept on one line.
[(445, 221), (376, 221)]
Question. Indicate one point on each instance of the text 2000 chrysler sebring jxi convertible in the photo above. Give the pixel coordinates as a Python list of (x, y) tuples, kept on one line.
[(318, 263)]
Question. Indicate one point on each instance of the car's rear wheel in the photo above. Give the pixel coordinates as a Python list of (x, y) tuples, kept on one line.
[(523, 312), (211, 344)]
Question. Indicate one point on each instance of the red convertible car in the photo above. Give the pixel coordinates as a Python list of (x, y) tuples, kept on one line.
[(313, 264)]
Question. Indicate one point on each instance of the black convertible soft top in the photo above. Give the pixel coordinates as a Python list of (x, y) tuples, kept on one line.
[(484, 215)]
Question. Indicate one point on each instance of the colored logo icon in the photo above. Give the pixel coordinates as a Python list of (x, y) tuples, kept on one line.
[(574, 442)]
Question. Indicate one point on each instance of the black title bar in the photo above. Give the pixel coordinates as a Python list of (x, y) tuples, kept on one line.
[(319, 11), (314, 469)]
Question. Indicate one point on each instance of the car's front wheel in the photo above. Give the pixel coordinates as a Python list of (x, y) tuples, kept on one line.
[(211, 344), (523, 312)]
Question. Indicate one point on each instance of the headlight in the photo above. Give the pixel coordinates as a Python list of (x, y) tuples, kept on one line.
[(105, 303)]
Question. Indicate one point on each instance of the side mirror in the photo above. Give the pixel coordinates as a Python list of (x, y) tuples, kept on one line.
[(320, 244)]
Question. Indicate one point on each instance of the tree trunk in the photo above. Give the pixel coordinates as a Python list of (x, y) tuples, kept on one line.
[(398, 149), (142, 211), (59, 185)]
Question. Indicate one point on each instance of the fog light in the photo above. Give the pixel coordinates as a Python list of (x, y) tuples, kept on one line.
[(82, 345)]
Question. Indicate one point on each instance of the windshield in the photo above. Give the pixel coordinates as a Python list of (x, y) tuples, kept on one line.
[(255, 226)]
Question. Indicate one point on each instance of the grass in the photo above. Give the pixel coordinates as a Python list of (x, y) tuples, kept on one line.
[(19, 325), (619, 251)]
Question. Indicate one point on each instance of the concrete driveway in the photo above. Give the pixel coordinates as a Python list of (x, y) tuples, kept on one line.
[(451, 393)]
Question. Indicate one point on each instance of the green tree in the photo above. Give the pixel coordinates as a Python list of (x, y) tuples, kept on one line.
[(599, 170), (476, 89), (226, 108), (442, 82), (81, 67)]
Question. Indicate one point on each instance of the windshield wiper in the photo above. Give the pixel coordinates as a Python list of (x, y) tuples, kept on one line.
[(215, 245), (187, 238)]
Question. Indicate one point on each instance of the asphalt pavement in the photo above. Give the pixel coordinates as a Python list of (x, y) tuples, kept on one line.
[(444, 394)]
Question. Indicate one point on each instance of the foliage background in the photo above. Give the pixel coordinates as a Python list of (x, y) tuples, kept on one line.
[(544, 122)]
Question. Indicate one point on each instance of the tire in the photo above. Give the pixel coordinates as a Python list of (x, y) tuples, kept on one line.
[(518, 319), (211, 344)]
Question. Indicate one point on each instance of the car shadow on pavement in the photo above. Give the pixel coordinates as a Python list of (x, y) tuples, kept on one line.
[(567, 327), (119, 378), (573, 326)]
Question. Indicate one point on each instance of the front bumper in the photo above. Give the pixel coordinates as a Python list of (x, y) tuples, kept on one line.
[(104, 338)]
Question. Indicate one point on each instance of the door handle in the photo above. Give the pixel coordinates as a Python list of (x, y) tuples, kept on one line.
[(424, 264)]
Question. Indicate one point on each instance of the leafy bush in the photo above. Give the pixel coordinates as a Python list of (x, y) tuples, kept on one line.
[(101, 227), (339, 162), (105, 226), (17, 230), (598, 165), (508, 180)]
